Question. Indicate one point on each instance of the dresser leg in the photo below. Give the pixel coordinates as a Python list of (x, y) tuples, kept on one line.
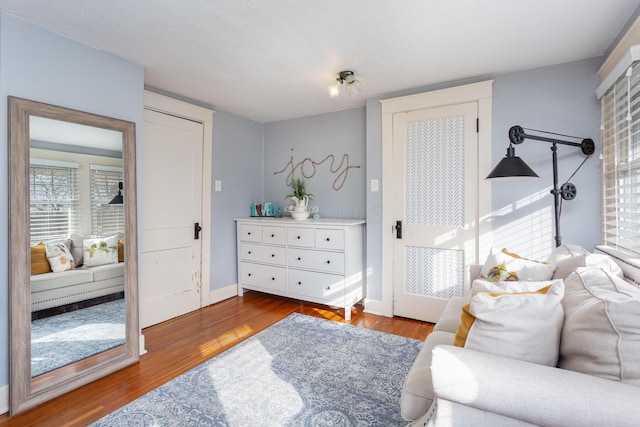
[(347, 312)]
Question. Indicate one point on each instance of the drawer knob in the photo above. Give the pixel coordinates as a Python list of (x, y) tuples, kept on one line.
[(328, 288), (299, 259), (298, 237), (249, 274), (273, 235), (299, 283), (328, 239), (273, 255), (328, 262), (249, 233), (273, 278), (249, 252)]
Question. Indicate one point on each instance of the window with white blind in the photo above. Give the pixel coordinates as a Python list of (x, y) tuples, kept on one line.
[(621, 162), (106, 218), (54, 200)]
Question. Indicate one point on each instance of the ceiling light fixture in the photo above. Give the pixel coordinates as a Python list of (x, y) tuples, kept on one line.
[(351, 84)]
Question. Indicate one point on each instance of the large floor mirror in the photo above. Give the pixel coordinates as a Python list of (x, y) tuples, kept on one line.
[(73, 289)]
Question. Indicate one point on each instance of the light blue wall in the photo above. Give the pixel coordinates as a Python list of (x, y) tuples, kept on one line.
[(339, 194), (237, 163), (39, 65), (559, 98)]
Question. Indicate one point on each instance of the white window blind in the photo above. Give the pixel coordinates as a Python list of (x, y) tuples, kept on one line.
[(621, 162), (106, 218), (54, 200)]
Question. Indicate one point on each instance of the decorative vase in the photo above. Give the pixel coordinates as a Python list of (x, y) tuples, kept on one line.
[(301, 204)]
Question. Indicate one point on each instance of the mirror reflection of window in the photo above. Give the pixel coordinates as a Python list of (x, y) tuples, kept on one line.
[(54, 201), (106, 218)]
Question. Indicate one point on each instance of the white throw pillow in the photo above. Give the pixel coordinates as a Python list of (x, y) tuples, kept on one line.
[(482, 285), (601, 332), (59, 257), (502, 266), (522, 325), (100, 251)]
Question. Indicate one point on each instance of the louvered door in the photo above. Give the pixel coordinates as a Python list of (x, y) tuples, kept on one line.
[(435, 178)]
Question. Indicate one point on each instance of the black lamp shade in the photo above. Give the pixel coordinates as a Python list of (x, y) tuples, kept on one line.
[(118, 199), (512, 166)]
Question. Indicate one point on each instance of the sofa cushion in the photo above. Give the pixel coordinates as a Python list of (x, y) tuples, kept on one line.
[(417, 391), (522, 325), (601, 333), (450, 317), (107, 271), (567, 264), (39, 263), (503, 266), (565, 251), (43, 282)]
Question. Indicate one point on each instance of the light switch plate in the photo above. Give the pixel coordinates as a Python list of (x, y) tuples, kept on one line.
[(375, 186), (218, 185)]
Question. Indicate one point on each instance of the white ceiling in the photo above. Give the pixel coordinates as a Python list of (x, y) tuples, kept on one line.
[(271, 60)]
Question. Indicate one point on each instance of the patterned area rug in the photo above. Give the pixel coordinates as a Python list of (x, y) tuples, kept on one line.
[(301, 371), (57, 341)]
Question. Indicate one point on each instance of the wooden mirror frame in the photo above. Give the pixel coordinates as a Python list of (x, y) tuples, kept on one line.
[(26, 392)]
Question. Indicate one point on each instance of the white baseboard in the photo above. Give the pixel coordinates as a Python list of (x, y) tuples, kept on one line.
[(223, 294), (373, 306), (4, 399), (143, 350)]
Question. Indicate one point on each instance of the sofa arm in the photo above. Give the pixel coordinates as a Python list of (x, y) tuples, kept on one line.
[(536, 394)]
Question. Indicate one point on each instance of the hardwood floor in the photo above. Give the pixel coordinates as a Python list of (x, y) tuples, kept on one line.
[(178, 345)]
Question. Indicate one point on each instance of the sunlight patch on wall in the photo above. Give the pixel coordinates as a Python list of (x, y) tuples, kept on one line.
[(528, 227)]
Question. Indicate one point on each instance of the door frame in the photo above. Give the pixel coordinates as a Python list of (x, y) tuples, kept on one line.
[(184, 110), (481, 93)]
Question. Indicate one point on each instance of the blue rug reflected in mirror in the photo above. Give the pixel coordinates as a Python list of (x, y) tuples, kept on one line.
[(301, 371), (59, 340)]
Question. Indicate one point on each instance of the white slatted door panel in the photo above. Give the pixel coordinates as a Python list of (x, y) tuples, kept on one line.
[(435, 176)]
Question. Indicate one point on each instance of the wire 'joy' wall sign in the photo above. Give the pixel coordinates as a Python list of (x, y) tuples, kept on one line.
[(308, 167)]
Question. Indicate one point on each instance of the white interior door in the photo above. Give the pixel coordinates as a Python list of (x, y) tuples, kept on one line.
[(172, 203), (435, 198)]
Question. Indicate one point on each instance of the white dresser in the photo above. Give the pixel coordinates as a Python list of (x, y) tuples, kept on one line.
[(313, 260)]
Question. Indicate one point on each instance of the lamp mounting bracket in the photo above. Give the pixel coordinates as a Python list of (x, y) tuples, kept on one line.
[(517, 136)]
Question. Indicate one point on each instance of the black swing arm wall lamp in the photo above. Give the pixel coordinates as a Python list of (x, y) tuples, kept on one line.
[(512, 166)]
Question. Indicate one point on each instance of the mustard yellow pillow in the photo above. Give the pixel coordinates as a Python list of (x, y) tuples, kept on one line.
[(120, 250), (39, 263), (521, 325)]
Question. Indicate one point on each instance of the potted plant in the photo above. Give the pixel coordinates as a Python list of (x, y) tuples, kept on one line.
[(299, 194)]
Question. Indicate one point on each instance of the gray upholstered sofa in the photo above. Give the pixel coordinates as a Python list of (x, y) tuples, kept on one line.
[(596, 381), (85, 280), (50, 290)]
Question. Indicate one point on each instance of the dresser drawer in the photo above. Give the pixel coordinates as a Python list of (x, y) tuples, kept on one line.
[(320, 286), (330, 239), (250, 233), (263, 276), (259, 253), (303, 237), (274, 235), (330, 262)]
